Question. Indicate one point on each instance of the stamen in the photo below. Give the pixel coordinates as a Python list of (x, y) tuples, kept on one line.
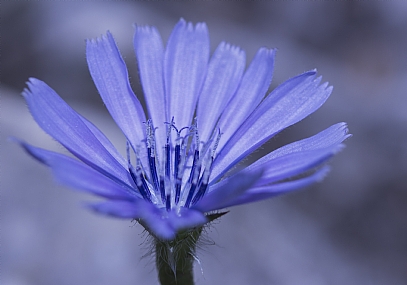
[(194, 164), (203, 182), (215, 146), (167, 160), (168, 184), (140, 183), (203, 185), (195, 170), (168, 201), (177, 161), (194, 183), (194, 129), (152, 156), (162, 189), (168, 154), (128, 152), (145, 193)]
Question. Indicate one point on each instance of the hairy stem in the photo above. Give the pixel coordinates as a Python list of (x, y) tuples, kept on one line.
[(175, 259)]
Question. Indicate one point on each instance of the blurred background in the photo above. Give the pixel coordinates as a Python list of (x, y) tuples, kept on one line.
[(349, 229)]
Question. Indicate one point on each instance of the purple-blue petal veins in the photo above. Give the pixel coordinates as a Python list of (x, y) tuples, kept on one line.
[(179, 167)]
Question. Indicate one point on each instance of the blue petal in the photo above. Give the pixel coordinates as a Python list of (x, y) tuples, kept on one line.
[(266, 192), (224, 74), (331, 136), (105, 142), (293, 164), (289, 103), (219, 198), (59, 120), (185, 64), (73, 173), (150, 57), (120, 209), (161, 223), (185, 218), (110, 75), (150, 215), (252, 89)]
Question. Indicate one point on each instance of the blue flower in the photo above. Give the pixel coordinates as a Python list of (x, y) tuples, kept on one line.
[(204, 116)]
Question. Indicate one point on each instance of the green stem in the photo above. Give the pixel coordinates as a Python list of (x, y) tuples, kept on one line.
[(175, 259)]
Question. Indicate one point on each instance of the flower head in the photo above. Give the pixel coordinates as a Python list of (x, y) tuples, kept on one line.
[(204, 115)]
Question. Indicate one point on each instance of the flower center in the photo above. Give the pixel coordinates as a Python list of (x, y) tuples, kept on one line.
[(180, 176)]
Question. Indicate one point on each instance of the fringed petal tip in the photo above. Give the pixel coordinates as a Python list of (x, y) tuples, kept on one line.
[(236, 50), (183, 24), (32, 84), (98, 40), (344, 127), (145, 29), (268, 52)]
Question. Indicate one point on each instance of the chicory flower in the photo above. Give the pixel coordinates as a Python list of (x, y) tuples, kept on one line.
[(204, 115)]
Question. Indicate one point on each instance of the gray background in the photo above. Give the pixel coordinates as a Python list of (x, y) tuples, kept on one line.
[(349, 229)]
